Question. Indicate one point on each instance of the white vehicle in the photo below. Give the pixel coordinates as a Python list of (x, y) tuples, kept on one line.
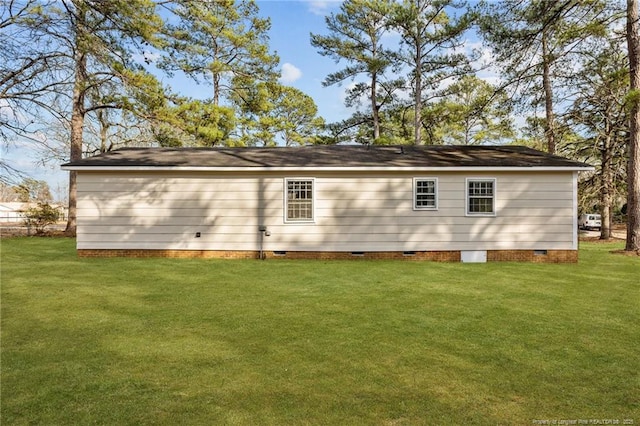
[(589, 221)]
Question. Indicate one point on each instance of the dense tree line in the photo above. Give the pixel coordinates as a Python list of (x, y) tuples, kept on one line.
[(79, 77)]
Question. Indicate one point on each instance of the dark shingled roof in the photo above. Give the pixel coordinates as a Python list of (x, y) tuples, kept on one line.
[(329, 156)]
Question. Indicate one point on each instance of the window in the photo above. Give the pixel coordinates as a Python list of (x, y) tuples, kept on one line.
[(481, 197), (299, 200), (425, 194)]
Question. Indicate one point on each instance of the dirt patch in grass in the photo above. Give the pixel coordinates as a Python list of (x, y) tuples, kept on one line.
[(620, 230), (597, 240), (22, 231), (627, 253)]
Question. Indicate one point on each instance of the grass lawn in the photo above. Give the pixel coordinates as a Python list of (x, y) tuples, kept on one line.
[(174, 341)]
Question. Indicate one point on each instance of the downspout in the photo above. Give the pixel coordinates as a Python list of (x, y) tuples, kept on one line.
[(263, 233)]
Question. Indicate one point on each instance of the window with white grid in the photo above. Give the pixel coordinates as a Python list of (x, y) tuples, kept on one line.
[(425, 193), (299, 200), (481, 197)]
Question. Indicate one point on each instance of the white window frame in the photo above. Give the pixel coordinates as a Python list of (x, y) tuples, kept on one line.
[(494, 181), (415, 193), (287, 219)]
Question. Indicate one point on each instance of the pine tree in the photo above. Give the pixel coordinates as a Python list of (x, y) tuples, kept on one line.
[(472, 112), (355, 37), (537, 43), (222, 42), (633, 186), (431, 47)]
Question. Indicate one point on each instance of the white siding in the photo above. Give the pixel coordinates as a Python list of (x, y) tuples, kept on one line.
[(119, 210)]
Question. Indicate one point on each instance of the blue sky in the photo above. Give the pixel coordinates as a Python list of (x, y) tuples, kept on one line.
[(291, 25)]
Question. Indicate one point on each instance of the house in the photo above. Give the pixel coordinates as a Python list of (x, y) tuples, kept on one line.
[(16, 212), (13, 212), (446, 203)]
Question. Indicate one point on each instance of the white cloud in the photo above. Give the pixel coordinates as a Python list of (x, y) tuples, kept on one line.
[(321, 7), (289, 73)]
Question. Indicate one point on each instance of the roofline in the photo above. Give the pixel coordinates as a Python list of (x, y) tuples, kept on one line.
[(323, 169)]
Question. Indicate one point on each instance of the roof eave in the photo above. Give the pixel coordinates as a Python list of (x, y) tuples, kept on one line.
[(326, 169)]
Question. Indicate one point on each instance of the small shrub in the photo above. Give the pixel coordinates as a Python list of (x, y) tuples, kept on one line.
[(40, 217)]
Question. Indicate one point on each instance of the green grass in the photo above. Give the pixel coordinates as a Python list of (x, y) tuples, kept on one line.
[(174, 341)]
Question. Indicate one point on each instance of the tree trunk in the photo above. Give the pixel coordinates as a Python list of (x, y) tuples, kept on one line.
[(606, 190), (467, 131), (77, 120), (374, 107), (77, 125), (633, 173), (549, 128), (104, 129), (417, 121), (216, 88)]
